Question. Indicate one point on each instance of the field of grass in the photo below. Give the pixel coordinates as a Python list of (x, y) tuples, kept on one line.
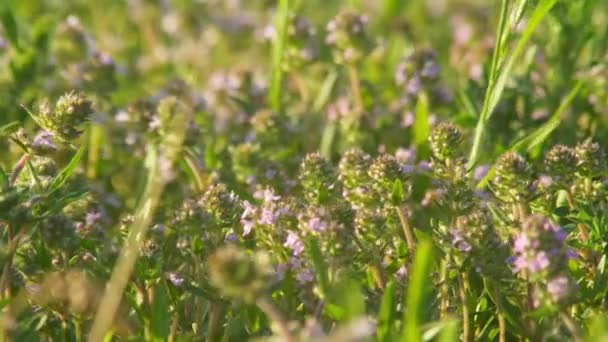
[(304, 170)]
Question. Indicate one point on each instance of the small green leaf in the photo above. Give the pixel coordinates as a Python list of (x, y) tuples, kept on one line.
[(160, 320), (9, 128), (543, 132), (63, 176), (321, 267), (397, 194), (4, 179)]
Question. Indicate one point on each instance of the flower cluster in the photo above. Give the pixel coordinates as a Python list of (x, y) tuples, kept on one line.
[(541, 256)]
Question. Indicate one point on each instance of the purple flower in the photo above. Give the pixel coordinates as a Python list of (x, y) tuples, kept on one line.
[(414, 85), (294, 243), (558, 287), (405, 155), (401, 273), (231, 237), (481, 172), (175, 279), (425, 166), (247, 226), (92, 218), (281, 270), (430, 69), (407, 120), (460, 243), (305, 276), (540, 262), (269, 216), (521, 243), (267, 195), (45, 140), (249, 209), (317, 225)]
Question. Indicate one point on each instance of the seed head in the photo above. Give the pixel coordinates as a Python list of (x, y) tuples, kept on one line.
[(317, 177)]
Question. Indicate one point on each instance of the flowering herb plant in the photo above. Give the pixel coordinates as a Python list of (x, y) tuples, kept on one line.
[(303, 170)]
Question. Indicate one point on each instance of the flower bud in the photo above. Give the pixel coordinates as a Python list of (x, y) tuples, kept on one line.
[(347, 35), (385, 172), (445, 140), (591, 159), (513, 178), (561, 161), (317, 177), (222, 204)]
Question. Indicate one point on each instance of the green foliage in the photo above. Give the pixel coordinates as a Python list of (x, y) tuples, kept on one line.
[(298, 170)]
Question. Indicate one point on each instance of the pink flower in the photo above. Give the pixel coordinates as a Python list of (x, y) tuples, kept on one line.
[(294, 243), (558, 287), (317, 225)]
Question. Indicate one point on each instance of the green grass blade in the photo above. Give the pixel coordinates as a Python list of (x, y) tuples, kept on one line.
[(495, 89), (63, 176), (171, 146), (388, 312), (543, 132), (325, 92), (4, 179), (539, 13), (540, 134), (418, 292), (421, 125), (278, 48), (9, 128), (160, 320)]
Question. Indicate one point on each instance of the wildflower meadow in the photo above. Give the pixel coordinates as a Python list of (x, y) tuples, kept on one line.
[(304, 170)]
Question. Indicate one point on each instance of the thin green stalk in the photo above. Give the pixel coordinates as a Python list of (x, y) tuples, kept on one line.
[(407, 230), (171, 146), (500, 39), (464, 297), (445, 289), (499, 74), (215, 317), (355, 84), (500, 313)]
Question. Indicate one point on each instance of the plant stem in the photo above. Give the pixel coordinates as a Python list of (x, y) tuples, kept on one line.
[(466, 322), (407, 230), (355, 84), (378, 275), (215, 316), (281, 324), (500, 312), (445, 289)]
